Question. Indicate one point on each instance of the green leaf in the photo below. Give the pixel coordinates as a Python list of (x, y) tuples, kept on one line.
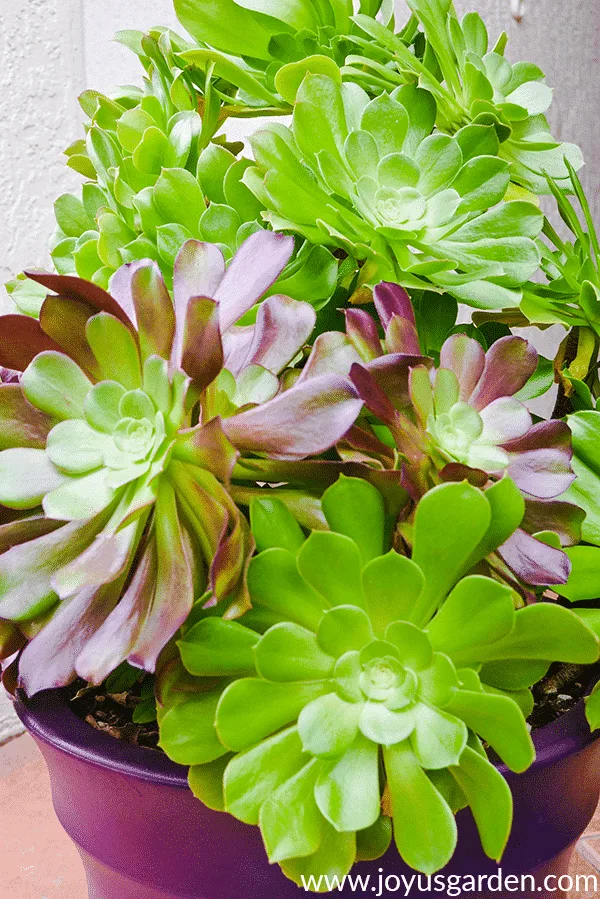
[(227, 26), (206, 782), (328, 726), (273, 525), (499, 721), (592, 708), (214, 647), (290, 821), (545, 631), (289, 77), (335, 856), (275, 583), (56, 385), (424, 826), (450, 522), (252, 709), (347, 790), (252, 776), (355, 507), (289, 652), (584, 580), (373, 842), (490, 799), (115, 350), (477, 611), (331, 564), (187, 729), (392, 586), (26, 476), (71, 216), (179, 198), (154, 152), (438, 738), (343, 629)]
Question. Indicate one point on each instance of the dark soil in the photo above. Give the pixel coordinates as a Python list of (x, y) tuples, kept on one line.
[(113, 713), (556, 694), (559, 691)]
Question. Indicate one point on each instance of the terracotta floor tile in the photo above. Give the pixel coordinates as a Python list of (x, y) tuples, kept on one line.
[(581, 867), (37, 858)]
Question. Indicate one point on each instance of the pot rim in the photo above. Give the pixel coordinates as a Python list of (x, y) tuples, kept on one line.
[(48, 717)]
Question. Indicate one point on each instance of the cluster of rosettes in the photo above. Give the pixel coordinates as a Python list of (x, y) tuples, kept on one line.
[(368, 693), (119, 444)]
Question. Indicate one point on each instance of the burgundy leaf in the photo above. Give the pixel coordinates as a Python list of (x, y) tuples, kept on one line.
[(21, 340), (202, 351), (65, 322), (391, 299), (392, 374), (544, 435), (79, 290), (455, 471), (565, 519), (363, 334), (154, 311), (21, 424), (371, 393)]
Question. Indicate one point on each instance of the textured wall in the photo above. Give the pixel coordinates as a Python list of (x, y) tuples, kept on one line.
[(41, 73)]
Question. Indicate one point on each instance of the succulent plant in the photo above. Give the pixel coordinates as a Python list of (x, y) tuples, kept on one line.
[(424, 209), (473, 83), (119, 444), (462, 419), (368, 695), (154, 181)]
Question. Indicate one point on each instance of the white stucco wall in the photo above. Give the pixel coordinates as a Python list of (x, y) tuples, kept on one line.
[(51, 50)]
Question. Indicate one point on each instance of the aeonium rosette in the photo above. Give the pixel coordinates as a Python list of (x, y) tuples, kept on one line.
[(119, 444), (354, 697), (461, 419)]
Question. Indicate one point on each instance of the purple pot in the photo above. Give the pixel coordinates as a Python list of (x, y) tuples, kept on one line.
[(142, 834)]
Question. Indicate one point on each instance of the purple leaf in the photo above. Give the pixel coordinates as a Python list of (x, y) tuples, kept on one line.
[(282, 328), (544, 435), (252, 271), (509, 363), (542, 473), (535, 562), (465, 357), (391, 299), (303, 421), (199, 269), (392, 374), (49, 660), (115, 638), (332, 354), (175, 588), (455, 471)]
